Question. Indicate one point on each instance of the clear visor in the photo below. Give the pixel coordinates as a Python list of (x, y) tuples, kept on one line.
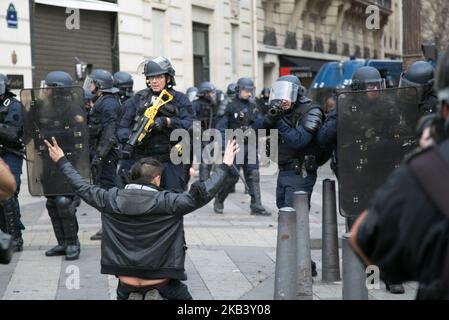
[(141, 67), (284, 90), (191, 95), (87, 83), (375, 85)]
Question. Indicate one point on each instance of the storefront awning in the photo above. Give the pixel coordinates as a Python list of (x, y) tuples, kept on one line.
[(93, 5)]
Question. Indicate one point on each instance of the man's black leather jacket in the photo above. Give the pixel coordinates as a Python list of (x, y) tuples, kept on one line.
[(143, 231)]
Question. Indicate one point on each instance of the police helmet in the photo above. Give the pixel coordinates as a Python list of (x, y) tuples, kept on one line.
[(286, 88), (103, 80), (420, 73), (205, 88), (123, 80), (58, 79), (231, 90), (245, 84), (4, 84), (158, 66), (265, 93), (367, 78)]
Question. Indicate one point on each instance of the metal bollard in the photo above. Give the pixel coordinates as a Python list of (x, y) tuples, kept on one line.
[(354, 276), (301, 203), (330, 254), (286, 256)]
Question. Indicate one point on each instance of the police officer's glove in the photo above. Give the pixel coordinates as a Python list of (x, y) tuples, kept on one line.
[(313, 120), (159, 123)]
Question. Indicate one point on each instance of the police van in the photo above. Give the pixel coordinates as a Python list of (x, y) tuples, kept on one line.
[(338, 75)]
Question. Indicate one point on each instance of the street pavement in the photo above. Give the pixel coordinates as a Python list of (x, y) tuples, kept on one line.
[(229, 256)]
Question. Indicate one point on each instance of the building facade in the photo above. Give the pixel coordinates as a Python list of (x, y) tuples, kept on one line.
[(219, 41)]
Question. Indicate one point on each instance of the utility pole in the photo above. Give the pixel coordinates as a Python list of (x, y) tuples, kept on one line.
[(411, 14)]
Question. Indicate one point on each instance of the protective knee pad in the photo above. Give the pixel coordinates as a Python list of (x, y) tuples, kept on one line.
[(65, 206)]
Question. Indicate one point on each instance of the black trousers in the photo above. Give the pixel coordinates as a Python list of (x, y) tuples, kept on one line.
[(173, 290)]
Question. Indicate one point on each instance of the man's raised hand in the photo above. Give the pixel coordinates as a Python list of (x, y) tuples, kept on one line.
[(232, 148), (54, 150)]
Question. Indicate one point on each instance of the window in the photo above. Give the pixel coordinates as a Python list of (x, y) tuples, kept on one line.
[(158, 33), (201, 68)]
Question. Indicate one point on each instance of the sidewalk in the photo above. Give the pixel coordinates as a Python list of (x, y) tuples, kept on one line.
[(229, 256)]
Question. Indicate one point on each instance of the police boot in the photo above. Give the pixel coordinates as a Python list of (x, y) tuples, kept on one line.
[(218, 206), (56, 221), (256, 201), (223, 193), (67, 212), (395, 288), (9, 222)]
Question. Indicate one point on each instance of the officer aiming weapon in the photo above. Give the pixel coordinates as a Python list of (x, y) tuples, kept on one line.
[(145, 122)]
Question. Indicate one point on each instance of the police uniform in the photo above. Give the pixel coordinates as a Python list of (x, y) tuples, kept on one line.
[(102, 121), (157, 144), (242, 114), (299, 154), (205, 112)]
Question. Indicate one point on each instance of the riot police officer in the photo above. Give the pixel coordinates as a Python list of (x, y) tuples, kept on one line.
[(231, 92), (421, 75), (11, 149), (298, 121), (205, 108), (407, 205), (102, 121), (62, 208), (242, 114), (177, 114), (124, 82)]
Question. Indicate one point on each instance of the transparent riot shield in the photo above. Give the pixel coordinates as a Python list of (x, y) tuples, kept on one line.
[(375, 130), (54, 112)]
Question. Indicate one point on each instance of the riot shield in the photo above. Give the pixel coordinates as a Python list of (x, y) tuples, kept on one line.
[(54, 112), (375, 131), (321, 95)]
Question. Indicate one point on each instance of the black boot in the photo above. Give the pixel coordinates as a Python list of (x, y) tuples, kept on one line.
[(9, 222), (59, 249), (67, 212), (395, 288), (256, 199), (218, 206)]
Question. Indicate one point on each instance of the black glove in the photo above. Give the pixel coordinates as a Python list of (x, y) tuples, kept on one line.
[(313, 120), (159, 123)]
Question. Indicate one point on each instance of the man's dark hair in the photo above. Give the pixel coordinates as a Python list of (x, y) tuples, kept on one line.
[(145, 170)]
